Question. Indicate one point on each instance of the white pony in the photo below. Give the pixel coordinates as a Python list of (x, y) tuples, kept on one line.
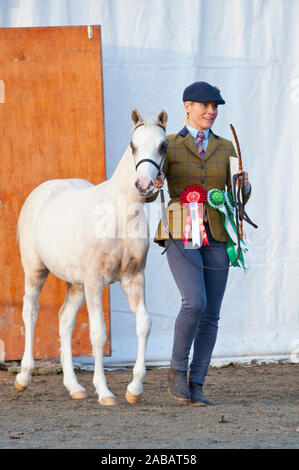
[(62, 229)]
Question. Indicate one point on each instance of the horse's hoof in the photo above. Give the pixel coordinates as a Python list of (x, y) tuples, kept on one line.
[(133, 399), (79, 395), (19, 387), (108, 401)]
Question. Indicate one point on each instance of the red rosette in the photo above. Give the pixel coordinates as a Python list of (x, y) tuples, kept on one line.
[(193, 193)]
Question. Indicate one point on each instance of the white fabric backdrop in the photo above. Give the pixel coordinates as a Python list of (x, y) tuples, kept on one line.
[(153, 49)]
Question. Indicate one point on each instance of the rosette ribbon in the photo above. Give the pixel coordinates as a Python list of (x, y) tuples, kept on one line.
[(193, 198), (223, 201)]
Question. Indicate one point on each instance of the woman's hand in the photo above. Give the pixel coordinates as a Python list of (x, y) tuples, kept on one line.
[(160, 180), (240, 179)]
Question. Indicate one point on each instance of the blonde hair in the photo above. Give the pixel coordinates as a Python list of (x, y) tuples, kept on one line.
[(186, 116)]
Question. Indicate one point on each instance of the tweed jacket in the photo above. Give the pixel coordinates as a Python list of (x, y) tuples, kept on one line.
[(183, 167)]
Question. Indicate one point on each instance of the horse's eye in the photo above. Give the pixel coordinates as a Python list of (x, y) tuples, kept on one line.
[(163, 147), (132, 146)]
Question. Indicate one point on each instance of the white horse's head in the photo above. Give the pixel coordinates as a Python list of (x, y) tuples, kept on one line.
[(148, 146)]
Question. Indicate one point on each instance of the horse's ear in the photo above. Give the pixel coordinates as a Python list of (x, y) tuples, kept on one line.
[(135, 116), (162, 118)]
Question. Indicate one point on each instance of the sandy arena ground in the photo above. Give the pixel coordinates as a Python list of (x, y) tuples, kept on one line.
[(253, 407)]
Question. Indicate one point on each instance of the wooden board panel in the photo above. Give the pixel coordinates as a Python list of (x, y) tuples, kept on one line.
[(51, 126)]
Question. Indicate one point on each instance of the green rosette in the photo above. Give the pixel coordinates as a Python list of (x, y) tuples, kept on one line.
[(215, 198), (223, 201)]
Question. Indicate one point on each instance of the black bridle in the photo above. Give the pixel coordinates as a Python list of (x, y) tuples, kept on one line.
[(149, 160)]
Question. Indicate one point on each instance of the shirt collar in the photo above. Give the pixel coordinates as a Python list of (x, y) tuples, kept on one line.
[(194, 132)]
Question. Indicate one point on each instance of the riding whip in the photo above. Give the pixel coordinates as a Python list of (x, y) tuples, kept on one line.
[(240, 209), (240, 168)]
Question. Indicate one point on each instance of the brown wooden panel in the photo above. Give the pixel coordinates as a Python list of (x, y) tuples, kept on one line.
[(51, 126)]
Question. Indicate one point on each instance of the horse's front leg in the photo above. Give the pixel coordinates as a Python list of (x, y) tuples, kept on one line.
[(134, 289), (98, 336)]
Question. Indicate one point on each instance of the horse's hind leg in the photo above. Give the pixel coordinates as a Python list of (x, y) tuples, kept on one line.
[(134, 289), (34, 281), (67, 315)]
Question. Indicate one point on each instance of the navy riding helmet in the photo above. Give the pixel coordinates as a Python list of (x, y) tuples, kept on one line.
[(202, 92)]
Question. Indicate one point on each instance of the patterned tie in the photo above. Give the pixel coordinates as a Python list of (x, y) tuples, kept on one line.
[(199, 138)]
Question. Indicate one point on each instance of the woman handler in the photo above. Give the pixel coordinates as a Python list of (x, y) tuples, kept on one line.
[(196, 156)]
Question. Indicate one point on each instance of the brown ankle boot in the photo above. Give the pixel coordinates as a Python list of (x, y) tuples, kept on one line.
[(178, 385)]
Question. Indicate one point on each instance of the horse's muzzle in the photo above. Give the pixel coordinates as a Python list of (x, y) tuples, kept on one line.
[(144, 185)]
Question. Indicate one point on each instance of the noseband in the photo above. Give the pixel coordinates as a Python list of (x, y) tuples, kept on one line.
[(149, 159)]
